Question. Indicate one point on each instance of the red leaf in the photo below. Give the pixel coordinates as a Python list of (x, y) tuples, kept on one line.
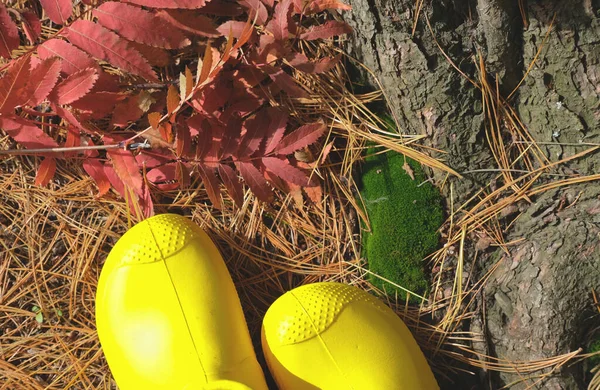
[(126, 168), (155, 55), (276, 129), (231, 139), (45, 172), (232, 183), (58, 10), (236, 28), (43, 79), (301, 137), (154, 158), (106, 45), (9, 33), (315, 6), (95, 169), (142, 202), (255, 180), (282, 168), (163, 173), (183, 140), (139, 25), (190, 22), (301, 62), (75, 86), (190, 4), (99, 104), (26, 133), (256, 7), (315, 194), (327, 30), (211, 184), (255, 130), (32, 27), (288, 84), (73, 59), (279, 24), (13, 91)]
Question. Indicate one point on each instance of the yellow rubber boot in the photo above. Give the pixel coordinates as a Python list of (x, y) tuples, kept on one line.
[(332, 336), (168, 314)]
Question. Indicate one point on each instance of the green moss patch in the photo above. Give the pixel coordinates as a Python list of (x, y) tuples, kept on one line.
[(405, 215)]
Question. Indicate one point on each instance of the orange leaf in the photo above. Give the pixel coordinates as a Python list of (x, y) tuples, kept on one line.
[(154, 119), (45, 172), (172, 99)]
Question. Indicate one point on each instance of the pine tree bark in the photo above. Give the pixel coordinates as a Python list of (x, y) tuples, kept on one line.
[(538, 304)]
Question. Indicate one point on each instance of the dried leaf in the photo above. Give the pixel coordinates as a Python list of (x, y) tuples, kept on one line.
[(95, 169), (73, 59), (255, 180), (106, 45), (301, 137), (32, 27), (409, 171), (327, 30), (45, 172), (188, 4), (42, 80), (139, 25), (232, 183), (190, 22), (74, 87), (316, 6), (9, 33), (13, 91), (58, 10), (282, 168), (211, 184)]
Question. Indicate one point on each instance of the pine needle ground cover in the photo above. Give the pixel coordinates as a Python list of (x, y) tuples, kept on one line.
[(405, 214)]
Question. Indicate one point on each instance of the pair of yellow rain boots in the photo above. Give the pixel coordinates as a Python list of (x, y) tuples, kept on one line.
[(169, 317)]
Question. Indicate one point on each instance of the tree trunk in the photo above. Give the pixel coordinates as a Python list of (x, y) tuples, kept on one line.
[(538, 303)]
